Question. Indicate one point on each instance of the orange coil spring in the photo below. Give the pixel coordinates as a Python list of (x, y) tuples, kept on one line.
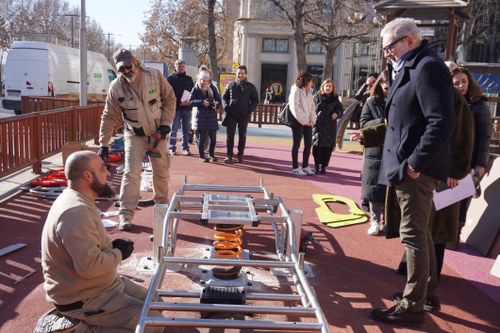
[(228, 241)]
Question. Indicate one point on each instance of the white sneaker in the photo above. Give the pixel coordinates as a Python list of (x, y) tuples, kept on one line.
[(298, 172), (308, 171), (373, 230)]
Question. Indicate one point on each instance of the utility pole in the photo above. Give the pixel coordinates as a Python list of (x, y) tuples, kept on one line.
[(72, 27), (109, 44)]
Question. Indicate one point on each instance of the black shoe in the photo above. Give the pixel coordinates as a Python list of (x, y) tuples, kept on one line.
[(431, 304), (203, 159), (323, 171), (240, 159), (402, 268), (146, 203), (213, 159), (398, 315), (228, 160)]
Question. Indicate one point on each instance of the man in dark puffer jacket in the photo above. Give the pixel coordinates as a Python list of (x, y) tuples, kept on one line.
[(240, 98)]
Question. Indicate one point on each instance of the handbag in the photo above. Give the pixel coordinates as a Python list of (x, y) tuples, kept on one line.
[(286, 117)]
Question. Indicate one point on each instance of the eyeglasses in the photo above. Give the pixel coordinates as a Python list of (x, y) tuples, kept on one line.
[(124, 68), (388, 48)]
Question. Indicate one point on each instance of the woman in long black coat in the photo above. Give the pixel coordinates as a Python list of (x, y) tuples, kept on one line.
[(373, 113), (328, 110)]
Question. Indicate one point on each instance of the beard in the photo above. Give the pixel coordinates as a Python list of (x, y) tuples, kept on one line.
[(130, 78), (102, 190)]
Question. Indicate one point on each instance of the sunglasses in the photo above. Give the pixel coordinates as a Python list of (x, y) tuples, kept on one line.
[(124, 68), (388, 48)]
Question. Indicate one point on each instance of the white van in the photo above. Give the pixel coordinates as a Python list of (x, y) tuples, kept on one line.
[(44, 69)]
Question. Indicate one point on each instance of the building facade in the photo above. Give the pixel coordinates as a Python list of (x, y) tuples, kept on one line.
[(263, 41)]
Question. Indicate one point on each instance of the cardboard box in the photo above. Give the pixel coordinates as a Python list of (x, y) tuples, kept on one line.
[(71, 147)]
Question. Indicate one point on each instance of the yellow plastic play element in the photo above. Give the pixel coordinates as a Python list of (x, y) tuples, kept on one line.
[(331, 219)]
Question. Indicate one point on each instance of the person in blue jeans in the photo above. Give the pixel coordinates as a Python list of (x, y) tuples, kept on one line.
[(182, 85)]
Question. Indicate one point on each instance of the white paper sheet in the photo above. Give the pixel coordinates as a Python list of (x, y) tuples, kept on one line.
[(186, 95), (107, 223), (464, 189), (111, 213)]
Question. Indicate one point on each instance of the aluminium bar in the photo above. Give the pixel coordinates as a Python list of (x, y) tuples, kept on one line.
[(218, 323), (231, 308), (228, 262), (248, 296)]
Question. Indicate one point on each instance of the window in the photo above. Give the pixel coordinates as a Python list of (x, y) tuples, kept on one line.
[(111, 75), (275, 45), (361, 49), (315, 47)]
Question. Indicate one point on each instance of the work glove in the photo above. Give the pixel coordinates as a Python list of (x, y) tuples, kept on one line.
[(163, 130), (103, 152), (126, 247)]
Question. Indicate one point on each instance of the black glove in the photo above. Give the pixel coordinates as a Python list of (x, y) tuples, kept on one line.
[(103, 152), (126, 247), (163, 130)]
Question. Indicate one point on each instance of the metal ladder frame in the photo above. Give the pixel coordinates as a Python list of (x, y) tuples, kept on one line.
[(286, 250)]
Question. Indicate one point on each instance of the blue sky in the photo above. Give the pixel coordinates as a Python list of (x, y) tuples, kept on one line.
[(117, 17)]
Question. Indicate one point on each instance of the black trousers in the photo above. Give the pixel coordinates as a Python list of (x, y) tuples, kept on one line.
[(299, 132), (231, 122), (322, 156), (201, 136)]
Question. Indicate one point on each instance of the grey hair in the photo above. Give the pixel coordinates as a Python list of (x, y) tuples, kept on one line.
[(402, 26), (451, 65), (203, 75)]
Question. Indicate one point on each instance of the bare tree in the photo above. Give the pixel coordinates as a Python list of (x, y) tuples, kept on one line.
[(47, 17), (212, 41), (171, 21), (481, 33), (334, 22), (295, 12)]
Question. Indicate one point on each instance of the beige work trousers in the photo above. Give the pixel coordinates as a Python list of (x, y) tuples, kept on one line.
[(116, 310), (135, 148)]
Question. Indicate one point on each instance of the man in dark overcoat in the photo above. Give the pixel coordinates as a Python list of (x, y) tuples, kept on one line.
[(416, 154)]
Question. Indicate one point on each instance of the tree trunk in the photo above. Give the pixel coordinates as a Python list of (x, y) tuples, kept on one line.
[(300, 43), (331, 47), (212, 42)]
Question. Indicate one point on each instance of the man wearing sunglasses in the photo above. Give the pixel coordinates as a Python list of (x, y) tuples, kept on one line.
[(142, 98), (416, 155)]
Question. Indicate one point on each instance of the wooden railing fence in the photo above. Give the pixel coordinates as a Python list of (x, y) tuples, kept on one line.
[(27, 140)]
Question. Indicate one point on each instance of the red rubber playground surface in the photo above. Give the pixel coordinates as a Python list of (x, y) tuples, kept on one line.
[(352, 271)]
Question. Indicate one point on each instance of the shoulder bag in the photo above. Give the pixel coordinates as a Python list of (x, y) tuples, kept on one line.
[(286, 117)]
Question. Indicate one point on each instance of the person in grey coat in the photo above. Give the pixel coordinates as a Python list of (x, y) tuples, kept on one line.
[(324, 132)]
